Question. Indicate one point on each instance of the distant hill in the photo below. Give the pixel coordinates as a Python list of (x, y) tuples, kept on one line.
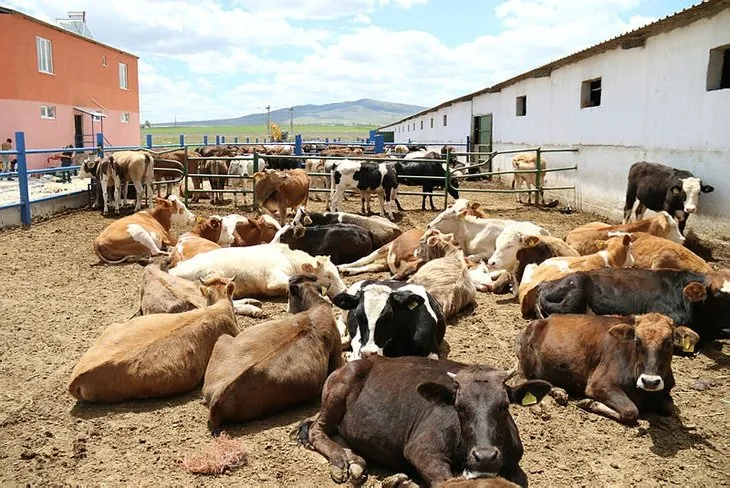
[(359, 112)]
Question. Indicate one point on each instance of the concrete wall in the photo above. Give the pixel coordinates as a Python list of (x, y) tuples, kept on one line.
[(10, 217)]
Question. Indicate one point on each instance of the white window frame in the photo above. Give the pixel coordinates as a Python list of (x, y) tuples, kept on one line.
[(123, 76), (124, 117), (48, 112), (44, 55), (103, 60)]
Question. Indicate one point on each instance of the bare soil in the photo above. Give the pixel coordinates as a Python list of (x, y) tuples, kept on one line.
[(54, 303)]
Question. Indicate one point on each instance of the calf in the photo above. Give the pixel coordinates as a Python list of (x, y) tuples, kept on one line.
[(204, 237), (383, 230), (278, 191), (157, 355), (660, 187), (408, 414), (343, 243), (584, 238), (528, 162), (392, 318), (243, 168), (107, 176), (396, 256), (240, 231), (286, 360), (428, 169), (366, 178), (622, 364), (695, 300), (142, 234)]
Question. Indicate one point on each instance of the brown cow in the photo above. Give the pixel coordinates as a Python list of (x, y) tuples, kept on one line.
[(286, 360), (137, 167), (528, 162), (216, 167), (240, 231), (164, 166), (651, 252), (622, 364), (142, 234), (397, 256), (278, 191), (156, 355), (204, 237)]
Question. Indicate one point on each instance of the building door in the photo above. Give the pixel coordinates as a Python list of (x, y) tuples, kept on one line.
[(483, 140), (78, 131)]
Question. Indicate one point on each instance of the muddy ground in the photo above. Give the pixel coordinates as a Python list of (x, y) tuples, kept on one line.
[(53, 305)]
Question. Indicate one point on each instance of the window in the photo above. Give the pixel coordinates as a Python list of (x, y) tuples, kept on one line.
[(48, 112), (408, 128), (590, 93), (445, 120), (125, 117), (422, 125), (718, 69), (432, 122), (45, 55), (521, 106), (123, 76), (103, 60)]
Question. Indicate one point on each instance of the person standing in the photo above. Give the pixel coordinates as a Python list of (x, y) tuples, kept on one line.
[(66, 160), (6, 146)]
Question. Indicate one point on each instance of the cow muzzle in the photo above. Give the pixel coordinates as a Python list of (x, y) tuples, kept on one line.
[(690, 209), (483, 461), (650, 382)]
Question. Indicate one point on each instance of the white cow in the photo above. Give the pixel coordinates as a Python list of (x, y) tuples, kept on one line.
[(262, 270), (519, 236), (243, 167)]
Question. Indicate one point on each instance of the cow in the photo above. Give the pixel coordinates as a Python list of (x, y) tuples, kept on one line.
[(203, 237), (528, 162), (156, 355), (583, 238), (366, 178), (434, 418), (396, 256), (286, 360), (217, 184), (261, 270), (391, 318), (319, 182), (623, 365), (660, 187), (242, 168), (169, 166), (383, 230), (695, 300), (240, 231), (343, 243), (107, 176), (143, 234), (137, 167), (614, 253), (401, 149), (445, 274), (653, 252), (278, 191), (429, 169)]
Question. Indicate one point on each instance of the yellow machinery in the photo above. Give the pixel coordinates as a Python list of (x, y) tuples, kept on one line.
[(278, 135)]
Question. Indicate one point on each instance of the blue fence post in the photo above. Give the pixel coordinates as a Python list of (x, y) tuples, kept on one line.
[(379, 144), (182, 140), (298, 145), (205, 140), (25, 216), (257, 140), (372, 135), (327, 140), (235, 140), (149, 141), (248, 140), (223, 139), (100, 144), (217, 140)]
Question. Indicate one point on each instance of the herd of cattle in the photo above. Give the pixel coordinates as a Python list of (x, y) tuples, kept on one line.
[(610, 305)]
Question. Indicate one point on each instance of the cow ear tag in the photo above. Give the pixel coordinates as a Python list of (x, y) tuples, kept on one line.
[(675, 191), (687, 345), (412, 304), (323, 290), (528, 399)]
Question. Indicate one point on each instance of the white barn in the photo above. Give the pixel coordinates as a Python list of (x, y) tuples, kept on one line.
[(660, 93)]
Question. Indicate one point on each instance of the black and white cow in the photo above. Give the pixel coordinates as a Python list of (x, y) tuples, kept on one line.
[(436, 168), (660, 187), (367, 178), (392, 318), (343, 243), (107, 175)]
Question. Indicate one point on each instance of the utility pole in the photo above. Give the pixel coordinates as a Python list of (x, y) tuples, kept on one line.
[(268, 120), (175, 120), (291, 121)]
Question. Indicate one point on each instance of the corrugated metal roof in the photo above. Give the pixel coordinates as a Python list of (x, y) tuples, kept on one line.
[(703, 10)]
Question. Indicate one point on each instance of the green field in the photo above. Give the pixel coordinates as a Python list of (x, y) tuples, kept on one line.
[(194, 135)]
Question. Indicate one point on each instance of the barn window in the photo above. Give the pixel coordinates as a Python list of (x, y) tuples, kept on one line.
[(445, 120), (123, 82), (45, 55), (521, 106), (718, 69), (103, 60), (432, 122), (48, 111), (422, 125), (124, 117), (590, 93)]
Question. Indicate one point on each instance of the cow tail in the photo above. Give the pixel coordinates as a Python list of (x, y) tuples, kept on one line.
[(104, 260), (149, 166)]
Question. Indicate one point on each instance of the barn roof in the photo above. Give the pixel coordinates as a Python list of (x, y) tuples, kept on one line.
[(634, 38)]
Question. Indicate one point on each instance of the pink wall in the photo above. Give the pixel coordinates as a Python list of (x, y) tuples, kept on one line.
[(18, 115)]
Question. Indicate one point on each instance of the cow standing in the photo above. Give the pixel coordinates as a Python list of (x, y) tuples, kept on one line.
[(366, 178)]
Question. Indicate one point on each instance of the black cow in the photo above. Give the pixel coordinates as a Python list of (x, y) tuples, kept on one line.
[(698, 301), (660, 187), (367, 178), (281, 164), (421, 417), (344, 243), (423, 168), (392, 318)]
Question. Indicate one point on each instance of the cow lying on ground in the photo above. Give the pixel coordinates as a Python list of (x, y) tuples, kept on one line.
[(396, 256), (366, 178), (202, 238), (622, 364), (240, 231), (155, 355), (143, 234), (528, 162), (262, 270), (391, 318), (651, 252), (583, 238), (383, 230), (438, 418), (343, 243), (660, 187), (287, 360), (278, 191), (698, 301)]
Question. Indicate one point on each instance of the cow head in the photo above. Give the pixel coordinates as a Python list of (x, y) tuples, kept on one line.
[(616, 250), (209, 228), (683, 197), (507, 245), (446, 220), (434, 244), (327, 274), (651, 338), (89, 167), (301, 217), (673, 233), (481, 399), (713, 298), (216, 289), (304, 292), (179, 213), (229, 226)]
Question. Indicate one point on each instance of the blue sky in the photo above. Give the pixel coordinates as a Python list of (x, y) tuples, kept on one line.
[(203, 59)]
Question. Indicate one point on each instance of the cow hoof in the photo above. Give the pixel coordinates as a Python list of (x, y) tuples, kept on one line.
[(339, 475), (399, 480), (357, 472), (560, 396)]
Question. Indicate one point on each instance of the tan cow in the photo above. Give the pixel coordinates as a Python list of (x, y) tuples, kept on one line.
[(583, 238), (278, 364), (137, 167), (278, 191), (204, 237), (142, 234), (165, 167), (155, 355), (240, 231), (653, 252), (528, 162), (319, 182), (396, 256)]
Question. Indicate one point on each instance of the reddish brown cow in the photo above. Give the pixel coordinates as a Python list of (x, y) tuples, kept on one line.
[(204, 237), (278, 191)]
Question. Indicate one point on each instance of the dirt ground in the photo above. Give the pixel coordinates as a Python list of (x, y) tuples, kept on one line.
[(53, 305)]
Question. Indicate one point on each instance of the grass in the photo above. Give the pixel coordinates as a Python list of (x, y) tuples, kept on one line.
[(194, 135)]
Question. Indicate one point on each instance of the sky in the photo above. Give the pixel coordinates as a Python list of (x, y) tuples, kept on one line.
[(210, 59)]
